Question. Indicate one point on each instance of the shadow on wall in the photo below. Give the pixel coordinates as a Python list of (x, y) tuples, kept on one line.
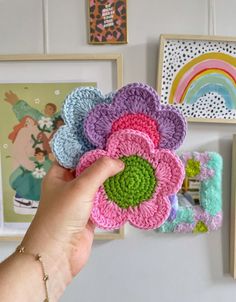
[(152, 55), (224, 148)]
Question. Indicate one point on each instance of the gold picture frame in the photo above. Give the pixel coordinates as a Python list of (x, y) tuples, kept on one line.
[(163, 54), (112, 61)]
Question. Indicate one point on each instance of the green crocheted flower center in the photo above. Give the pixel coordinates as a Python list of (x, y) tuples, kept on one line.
[(136, 183), (193, 168)]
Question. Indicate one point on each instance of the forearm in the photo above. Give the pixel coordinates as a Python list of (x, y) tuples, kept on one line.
[(21, 275), (21, 279)]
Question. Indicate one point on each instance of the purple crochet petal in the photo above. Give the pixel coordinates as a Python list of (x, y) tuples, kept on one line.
[(97, 125), (172, 127), (133, 98), (137, 98)]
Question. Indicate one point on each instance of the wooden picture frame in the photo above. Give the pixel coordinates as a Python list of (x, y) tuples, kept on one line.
[(233, 212), (61, 68), (182, 56)]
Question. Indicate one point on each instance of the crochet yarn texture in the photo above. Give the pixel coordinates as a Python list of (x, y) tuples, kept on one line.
[(207, 216), (120, 199), (132, 186), (136, 106), (69, 142), (133, 126)]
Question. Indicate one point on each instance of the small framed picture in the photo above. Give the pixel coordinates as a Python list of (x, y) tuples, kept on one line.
[(197, 207), (107, 21), (197, 74)]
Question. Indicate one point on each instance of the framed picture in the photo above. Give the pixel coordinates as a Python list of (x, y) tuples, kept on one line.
[(197, 208), (197, 74), (233, 212), (107, 21), (32, 89)]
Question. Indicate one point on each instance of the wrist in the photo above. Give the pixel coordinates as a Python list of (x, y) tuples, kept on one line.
[(55, 258)]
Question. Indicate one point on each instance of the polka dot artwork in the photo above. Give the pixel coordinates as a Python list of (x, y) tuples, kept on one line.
[(199, 202), (199, 77), (133, 126)]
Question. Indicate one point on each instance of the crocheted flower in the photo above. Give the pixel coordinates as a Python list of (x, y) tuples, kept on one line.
[(136, 106), (138, 194), (196, 165), (69, 142)]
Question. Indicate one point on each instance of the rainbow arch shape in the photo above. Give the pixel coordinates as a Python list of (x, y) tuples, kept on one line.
[(210, 72)]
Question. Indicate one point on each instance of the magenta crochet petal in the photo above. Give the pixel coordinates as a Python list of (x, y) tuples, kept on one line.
[(106, 214), (150, 214)]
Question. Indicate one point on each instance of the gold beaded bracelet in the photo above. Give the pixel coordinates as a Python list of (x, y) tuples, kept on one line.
[(21, 250)]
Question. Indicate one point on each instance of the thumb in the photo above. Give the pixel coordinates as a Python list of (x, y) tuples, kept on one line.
[(94, 176)]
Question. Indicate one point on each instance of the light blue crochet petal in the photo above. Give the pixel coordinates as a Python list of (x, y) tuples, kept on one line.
[(79, 102), (66, 147), (69, 143)]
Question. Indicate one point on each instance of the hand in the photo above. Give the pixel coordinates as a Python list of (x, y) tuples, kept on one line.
[(51, 156), (11, 98), (61, 229)]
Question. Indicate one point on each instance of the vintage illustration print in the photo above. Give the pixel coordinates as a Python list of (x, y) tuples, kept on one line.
[(29, 117)]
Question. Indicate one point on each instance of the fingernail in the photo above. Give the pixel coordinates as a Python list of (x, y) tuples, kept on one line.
[(121, 164)]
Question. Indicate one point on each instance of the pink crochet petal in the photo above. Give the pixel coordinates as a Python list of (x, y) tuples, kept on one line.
[(88, 159), (150, 214), (106, 214), (130, 142), (169, 172)]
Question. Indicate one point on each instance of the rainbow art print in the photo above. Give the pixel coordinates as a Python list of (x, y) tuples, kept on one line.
[(198, 76)]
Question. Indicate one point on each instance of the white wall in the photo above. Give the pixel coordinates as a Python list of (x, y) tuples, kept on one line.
[(146, 266)]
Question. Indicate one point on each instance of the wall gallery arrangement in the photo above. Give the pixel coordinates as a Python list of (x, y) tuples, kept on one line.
[(158, 189), (198, 75)]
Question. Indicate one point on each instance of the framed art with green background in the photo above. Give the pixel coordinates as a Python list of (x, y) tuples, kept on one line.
[(30, 114)]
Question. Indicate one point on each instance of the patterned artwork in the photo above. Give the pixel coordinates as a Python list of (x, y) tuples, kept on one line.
[(199, 77), (107, 21), (197, 208), (30, 116)]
